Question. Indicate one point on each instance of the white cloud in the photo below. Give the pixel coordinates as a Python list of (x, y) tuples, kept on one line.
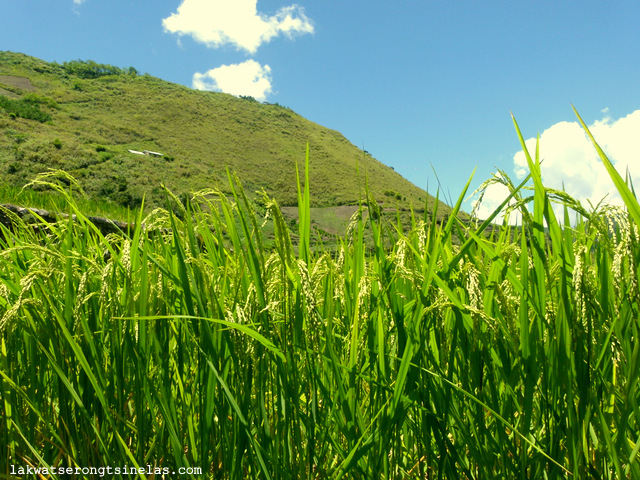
[(236, 22), (569, 157), (570, 162), (247, 78), (78, 2)]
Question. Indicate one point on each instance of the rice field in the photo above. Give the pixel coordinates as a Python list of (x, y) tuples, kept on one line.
[(449, 351)]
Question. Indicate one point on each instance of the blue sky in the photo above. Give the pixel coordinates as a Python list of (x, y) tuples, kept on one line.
[(421, 85)]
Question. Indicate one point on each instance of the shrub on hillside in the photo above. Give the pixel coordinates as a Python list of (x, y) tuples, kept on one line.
[(35, 99), (24, 108), (117, 190)]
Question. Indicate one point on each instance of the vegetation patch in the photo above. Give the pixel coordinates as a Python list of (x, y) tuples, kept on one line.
[(28, 108)]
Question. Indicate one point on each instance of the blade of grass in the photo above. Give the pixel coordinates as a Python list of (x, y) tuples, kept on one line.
[(623, 189)]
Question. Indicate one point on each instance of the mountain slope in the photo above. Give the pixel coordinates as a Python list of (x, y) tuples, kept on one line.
[(97, 113)]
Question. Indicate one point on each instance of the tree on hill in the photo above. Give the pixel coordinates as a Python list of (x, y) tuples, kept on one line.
[(91, 69)]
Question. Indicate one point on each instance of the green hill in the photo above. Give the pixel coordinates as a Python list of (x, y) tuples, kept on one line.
[(85, 117)]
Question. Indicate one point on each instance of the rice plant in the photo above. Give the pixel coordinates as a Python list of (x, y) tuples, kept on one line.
[(446, 351)]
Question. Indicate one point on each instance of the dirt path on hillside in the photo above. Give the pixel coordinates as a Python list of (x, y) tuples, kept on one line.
[(23, 83), (343, 212)]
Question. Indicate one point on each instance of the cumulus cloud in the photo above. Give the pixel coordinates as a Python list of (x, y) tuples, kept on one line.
[(236, 22), (570, 162), (246, 78)]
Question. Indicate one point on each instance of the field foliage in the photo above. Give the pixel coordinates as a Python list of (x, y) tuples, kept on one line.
[(188, 342)]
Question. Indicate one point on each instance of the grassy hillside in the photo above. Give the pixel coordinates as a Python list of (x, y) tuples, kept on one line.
[(83, 118)]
